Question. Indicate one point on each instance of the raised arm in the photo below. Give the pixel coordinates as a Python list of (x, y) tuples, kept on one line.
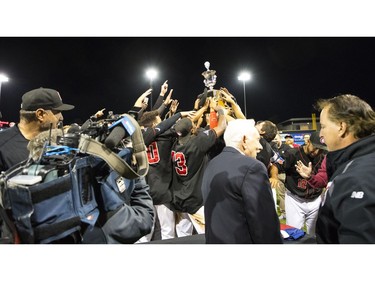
[(222, 122), (201, 111), (165, 103), (172, 108), (139, 102), (163, 91), (228, 97)]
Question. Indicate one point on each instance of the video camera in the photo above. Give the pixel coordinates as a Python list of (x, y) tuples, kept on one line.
[(103, 138), (110, 131), (61, 146), (52, 196)]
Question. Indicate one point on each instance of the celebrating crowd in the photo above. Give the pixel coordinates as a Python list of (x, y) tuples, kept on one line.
[(209, 171)]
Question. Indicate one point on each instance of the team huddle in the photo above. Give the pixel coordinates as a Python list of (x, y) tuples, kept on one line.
[(142, 176)]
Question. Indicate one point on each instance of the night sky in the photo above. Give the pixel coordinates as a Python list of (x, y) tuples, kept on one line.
[(289, 73)]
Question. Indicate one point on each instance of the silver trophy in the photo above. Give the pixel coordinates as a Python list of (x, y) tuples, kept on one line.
[(210, 77), (210, 82)]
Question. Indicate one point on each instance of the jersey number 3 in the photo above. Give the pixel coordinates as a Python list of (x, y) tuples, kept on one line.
[(179, 161)]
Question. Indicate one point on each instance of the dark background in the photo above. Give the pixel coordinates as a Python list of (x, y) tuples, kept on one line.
[(289, 73)]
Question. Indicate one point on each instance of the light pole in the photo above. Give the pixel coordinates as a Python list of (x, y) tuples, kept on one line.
[(3, 78), (151, 74), (244, 76)]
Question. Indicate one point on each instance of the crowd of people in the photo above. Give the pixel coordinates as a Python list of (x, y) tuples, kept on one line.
[(212, 171)]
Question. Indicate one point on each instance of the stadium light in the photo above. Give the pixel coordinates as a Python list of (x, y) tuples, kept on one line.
[(244, 76), (151, 74), (3, 78)]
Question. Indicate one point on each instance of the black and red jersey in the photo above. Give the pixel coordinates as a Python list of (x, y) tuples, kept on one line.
[(295, 183), (189, 162), (159, 142), (159, 175)]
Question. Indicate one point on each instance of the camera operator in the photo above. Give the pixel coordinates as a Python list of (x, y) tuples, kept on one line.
[(125, 205), (122, 207), (40, 109)]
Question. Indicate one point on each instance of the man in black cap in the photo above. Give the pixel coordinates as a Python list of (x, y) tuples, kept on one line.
[(40, 110), (302, 199), (189, 158), (289, 140)]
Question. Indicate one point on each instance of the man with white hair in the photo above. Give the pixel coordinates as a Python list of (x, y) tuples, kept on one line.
[(238, 203)]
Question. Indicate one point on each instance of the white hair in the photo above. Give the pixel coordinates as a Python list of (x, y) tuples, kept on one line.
[(238, 128)]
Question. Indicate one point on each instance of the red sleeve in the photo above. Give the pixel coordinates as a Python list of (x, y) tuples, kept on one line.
[(320, 179)]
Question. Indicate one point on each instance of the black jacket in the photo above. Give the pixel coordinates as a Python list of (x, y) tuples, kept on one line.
[(266, 153), (347, 215), (238, 203)]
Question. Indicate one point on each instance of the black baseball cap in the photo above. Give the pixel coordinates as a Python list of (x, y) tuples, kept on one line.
[(317, 141), (44, 98), (183, 127)]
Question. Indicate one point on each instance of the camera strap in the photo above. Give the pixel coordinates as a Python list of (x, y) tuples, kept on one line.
[(93, 147)]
